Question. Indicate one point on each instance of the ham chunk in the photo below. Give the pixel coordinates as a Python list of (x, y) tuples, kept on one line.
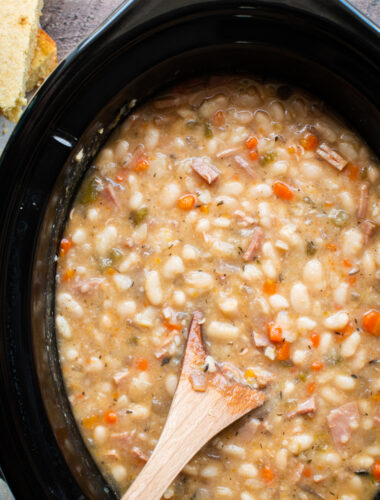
[(304, 408), (122, 440), (331, 156), (254, 244), (120, 376), (363, 201), (226, 153), (249, 429), (263, 377), (342, 421), (111, 195), (208, 172), (244, 165), (376, 417), (138, 453), (368, 228), (260, 340)]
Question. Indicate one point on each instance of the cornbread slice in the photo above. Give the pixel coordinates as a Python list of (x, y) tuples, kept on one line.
[(44, 60), (18, 30)]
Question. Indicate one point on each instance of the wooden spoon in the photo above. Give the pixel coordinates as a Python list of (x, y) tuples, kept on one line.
[(203, 405)]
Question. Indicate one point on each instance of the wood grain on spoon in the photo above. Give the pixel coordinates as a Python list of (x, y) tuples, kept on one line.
[(198, 412)]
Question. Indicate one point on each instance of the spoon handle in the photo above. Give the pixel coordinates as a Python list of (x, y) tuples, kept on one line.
[(194, 418)]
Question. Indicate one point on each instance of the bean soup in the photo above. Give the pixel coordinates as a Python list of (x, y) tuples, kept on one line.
[(254, 204)]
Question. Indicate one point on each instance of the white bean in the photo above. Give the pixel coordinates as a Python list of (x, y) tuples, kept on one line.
[(122, 282), (299, 443), (170, 194), (234, 451), (232, 188), (305, 323), (313, 275), (152, 136), (299, 298), (126, 308), (199, 280), (228, 305), (247, 470), (337, 321), (278, 302), (153, 288), (350, 344), (251, 272), (106, 239), (129, 262), (171, 383), (79, 237), (260, 191), (345, 382), (352, 242), (219, 330), (179, 298), (340, 294), (100, 434), (210, 471), (173, 266), (66, 302), (119, 473), (63, 326), (189, 253)]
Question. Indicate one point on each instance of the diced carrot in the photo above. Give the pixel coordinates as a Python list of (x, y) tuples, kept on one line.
[(110, 271), (371, 322), (316, 366), (311, 388), (291, 150), (283, 353), (331, 247), (267, 474), (307, 472), (376, 470), (218, 118), (65, 246), (283, 191), (141, 165), (69, 274), (90, 422), (275, 332), (315, 339), (328, 203), (172, 326), (249, 373), (119, 178), (353, 172), (186, 202), (204, 209), (269, 287), (347, 262), (351, 280), (309, 142), (251, 142), (141, 364), (253, 155), (110, 417)]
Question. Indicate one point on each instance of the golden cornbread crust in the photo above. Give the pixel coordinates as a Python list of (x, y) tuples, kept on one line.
[(44, 60), (18, 29)]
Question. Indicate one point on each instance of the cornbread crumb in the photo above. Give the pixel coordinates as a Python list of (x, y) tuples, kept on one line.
[(18, 28)]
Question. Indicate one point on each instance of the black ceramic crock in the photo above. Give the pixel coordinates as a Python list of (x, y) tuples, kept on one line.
[(325, 46)]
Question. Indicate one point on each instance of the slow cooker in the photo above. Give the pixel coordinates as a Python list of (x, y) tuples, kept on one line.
[(326, 46)]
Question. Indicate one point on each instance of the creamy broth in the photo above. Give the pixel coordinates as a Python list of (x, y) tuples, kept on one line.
[(252, 203)]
